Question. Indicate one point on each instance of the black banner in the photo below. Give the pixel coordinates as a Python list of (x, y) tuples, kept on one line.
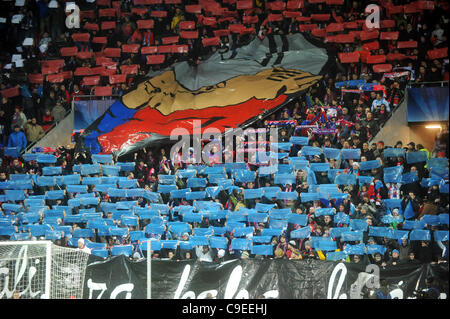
[(121, 278)]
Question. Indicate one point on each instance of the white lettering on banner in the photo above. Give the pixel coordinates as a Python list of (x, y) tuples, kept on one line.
[(19, 272), (96, 286), (230, 290), (373, 20), (73, 19), (101, 286), (122, 288), (339, 267)]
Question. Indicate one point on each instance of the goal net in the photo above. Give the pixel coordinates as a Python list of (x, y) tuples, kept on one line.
[(40, 269)]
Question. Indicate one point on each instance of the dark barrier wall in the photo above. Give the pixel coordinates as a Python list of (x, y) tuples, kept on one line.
[(428, 104), (119, 277)]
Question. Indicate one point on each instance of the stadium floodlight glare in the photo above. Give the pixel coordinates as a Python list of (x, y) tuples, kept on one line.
[(433, 126)]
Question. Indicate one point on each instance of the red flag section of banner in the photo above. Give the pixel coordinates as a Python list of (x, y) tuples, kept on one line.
[(307, 27), (221, 32), (158, 14), (350, 57), (335, 2), (11, 92), (139, 11), (36, 78), (180, 48), (81, 37), (129, 69), (112, 52), (321, 33), (108, 25), (170, 40), (50, 70), (345, 38), (155, 59), (438, 53), (67, 74), (102, 91), (145, 24), (110, 12), (104, 3), (172, 1), (244, 4), (69, 51), (82, 71), (321, 17), (335, 27), (406, 44), (381, 68), (249, 19), (117, 78), (236, 28), (375, 59), (276, 5), (55, 78), (275, 17), (100, 40), (187, 25), (131, 48), (369, 46), (189, 34), (384, 24), (91, 26), (389, 35), (291, 14), (303, 19), (193, 8), (316, 1), (84, 55), (369, 35), (149, 50), (210, 41), (294, 4), (209, 21), (164, 49), (91, 80)]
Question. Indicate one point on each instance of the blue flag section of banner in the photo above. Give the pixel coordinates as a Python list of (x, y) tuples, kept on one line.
[(303, 232), (263, 250), (309, 197), (287, 195), (319, 167), (334, 153), (409, 212), (373, 249), (351, 153), (352, 236), (299, 140), (380, 231), (336, 255), (394, 152), (420, 234), (358, 249), (218, 242), (392, 203), (416, 157), (369, 165), (365, 179), (311, 150), (298, 163), (345, 179), (241, 244), (408, 178), (440, 235)]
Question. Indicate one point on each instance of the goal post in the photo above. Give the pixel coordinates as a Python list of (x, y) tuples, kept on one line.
[(40, 269)]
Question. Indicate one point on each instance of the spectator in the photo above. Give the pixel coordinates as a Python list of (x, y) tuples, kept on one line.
[(17, 139), (34, 131), (58, 112)]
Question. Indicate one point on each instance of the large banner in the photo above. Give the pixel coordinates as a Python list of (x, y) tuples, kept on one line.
[(87, 111), (119, 277), (428, 104), (227, 90)]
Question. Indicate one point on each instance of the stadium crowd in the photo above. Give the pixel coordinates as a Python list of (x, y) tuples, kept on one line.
[(393, 211)]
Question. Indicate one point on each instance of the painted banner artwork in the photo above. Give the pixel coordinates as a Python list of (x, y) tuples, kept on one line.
[(121, 278), (225, 91)]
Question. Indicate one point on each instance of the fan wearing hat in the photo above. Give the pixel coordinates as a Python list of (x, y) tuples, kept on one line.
[(395, 258), (292, 252)]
